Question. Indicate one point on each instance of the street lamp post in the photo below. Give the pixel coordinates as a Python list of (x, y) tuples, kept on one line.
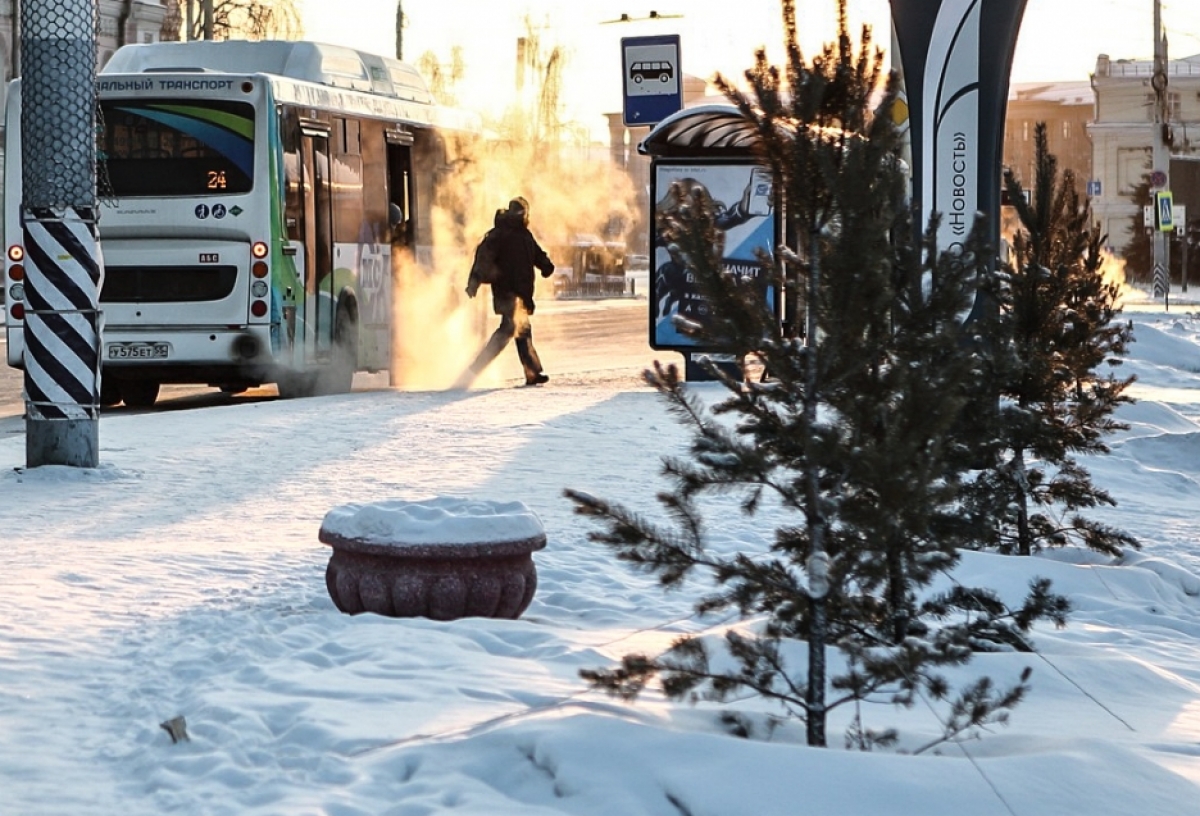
[(1161, 153)]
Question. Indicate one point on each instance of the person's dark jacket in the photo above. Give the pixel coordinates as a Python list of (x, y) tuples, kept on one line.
[(517, 254)]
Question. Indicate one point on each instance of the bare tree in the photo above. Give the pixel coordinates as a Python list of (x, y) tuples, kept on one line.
[(238, 19), (443, 78), (539, 79), (172, 22)]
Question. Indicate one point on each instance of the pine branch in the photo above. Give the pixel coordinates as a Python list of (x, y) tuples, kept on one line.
[(671, 556), (979, 706)]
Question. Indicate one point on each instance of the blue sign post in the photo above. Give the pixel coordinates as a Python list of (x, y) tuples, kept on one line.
[(652, 76), (1165, 204)]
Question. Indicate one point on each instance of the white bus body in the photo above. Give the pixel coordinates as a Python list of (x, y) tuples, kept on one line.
[(245, 193)]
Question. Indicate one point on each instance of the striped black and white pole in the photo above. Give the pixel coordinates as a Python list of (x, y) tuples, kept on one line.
[(1162, 287), (62, 337), (63, 269)]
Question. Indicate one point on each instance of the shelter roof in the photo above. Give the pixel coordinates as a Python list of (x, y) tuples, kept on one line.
[(704, 130)]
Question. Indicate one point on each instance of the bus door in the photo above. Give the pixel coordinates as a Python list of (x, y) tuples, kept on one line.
[(401, 205), (399, 182), (318, 309)]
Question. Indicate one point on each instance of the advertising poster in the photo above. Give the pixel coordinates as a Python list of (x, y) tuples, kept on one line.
[(745, 212)]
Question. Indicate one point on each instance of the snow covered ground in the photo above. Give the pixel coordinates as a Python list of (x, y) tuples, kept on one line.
[(184, 578)]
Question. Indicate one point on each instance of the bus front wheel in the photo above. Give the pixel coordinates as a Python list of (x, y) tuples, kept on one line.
[(110, 394)]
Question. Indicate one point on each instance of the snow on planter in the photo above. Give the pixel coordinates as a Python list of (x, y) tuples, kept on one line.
[(440, 558)]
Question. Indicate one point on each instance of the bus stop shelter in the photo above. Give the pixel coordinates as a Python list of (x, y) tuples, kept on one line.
[(708, 146)]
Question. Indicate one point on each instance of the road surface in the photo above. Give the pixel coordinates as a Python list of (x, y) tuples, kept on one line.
[(574, 338)]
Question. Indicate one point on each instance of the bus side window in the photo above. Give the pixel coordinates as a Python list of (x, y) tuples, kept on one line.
[(293, 188)]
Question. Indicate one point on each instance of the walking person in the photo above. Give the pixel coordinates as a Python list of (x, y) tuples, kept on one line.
[(516, 254)]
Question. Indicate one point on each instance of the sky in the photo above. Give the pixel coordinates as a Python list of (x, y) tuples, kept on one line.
[(1059, 39), (183, 577)]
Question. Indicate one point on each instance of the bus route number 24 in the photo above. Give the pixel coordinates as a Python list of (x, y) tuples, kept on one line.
[(216, 179)]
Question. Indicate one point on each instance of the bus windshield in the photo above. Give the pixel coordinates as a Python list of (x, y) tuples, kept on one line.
[(169, 148)]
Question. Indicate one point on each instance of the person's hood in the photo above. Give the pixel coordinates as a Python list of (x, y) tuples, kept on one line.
[(505, 219)]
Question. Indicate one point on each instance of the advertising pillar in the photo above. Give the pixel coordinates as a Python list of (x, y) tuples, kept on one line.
[(956, 58)]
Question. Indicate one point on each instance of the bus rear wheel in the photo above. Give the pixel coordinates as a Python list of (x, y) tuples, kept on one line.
[(294, 385), (139, 393), (338, 377)]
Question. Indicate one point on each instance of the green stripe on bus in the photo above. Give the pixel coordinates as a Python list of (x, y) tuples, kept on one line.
[(241, 125)]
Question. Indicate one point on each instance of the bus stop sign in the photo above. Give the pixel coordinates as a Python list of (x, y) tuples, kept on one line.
[(652, 78)]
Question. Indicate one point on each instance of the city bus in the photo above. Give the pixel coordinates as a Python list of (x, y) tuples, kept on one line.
[(251, 197)]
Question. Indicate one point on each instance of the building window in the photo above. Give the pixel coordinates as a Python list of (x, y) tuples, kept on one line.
[(1174, 107), (1066, 128), (1025, 131)]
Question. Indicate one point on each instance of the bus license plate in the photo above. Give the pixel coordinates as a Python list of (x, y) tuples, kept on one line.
[(139, 351)]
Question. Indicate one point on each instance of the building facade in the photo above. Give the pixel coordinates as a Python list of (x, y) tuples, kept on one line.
[(1123, 135), (1066, 108), (120, 22)]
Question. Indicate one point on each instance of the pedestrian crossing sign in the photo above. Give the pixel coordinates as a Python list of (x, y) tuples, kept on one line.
[(1164, 211)]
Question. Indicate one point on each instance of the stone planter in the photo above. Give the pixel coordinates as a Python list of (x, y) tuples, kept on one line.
[(442, 558)]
